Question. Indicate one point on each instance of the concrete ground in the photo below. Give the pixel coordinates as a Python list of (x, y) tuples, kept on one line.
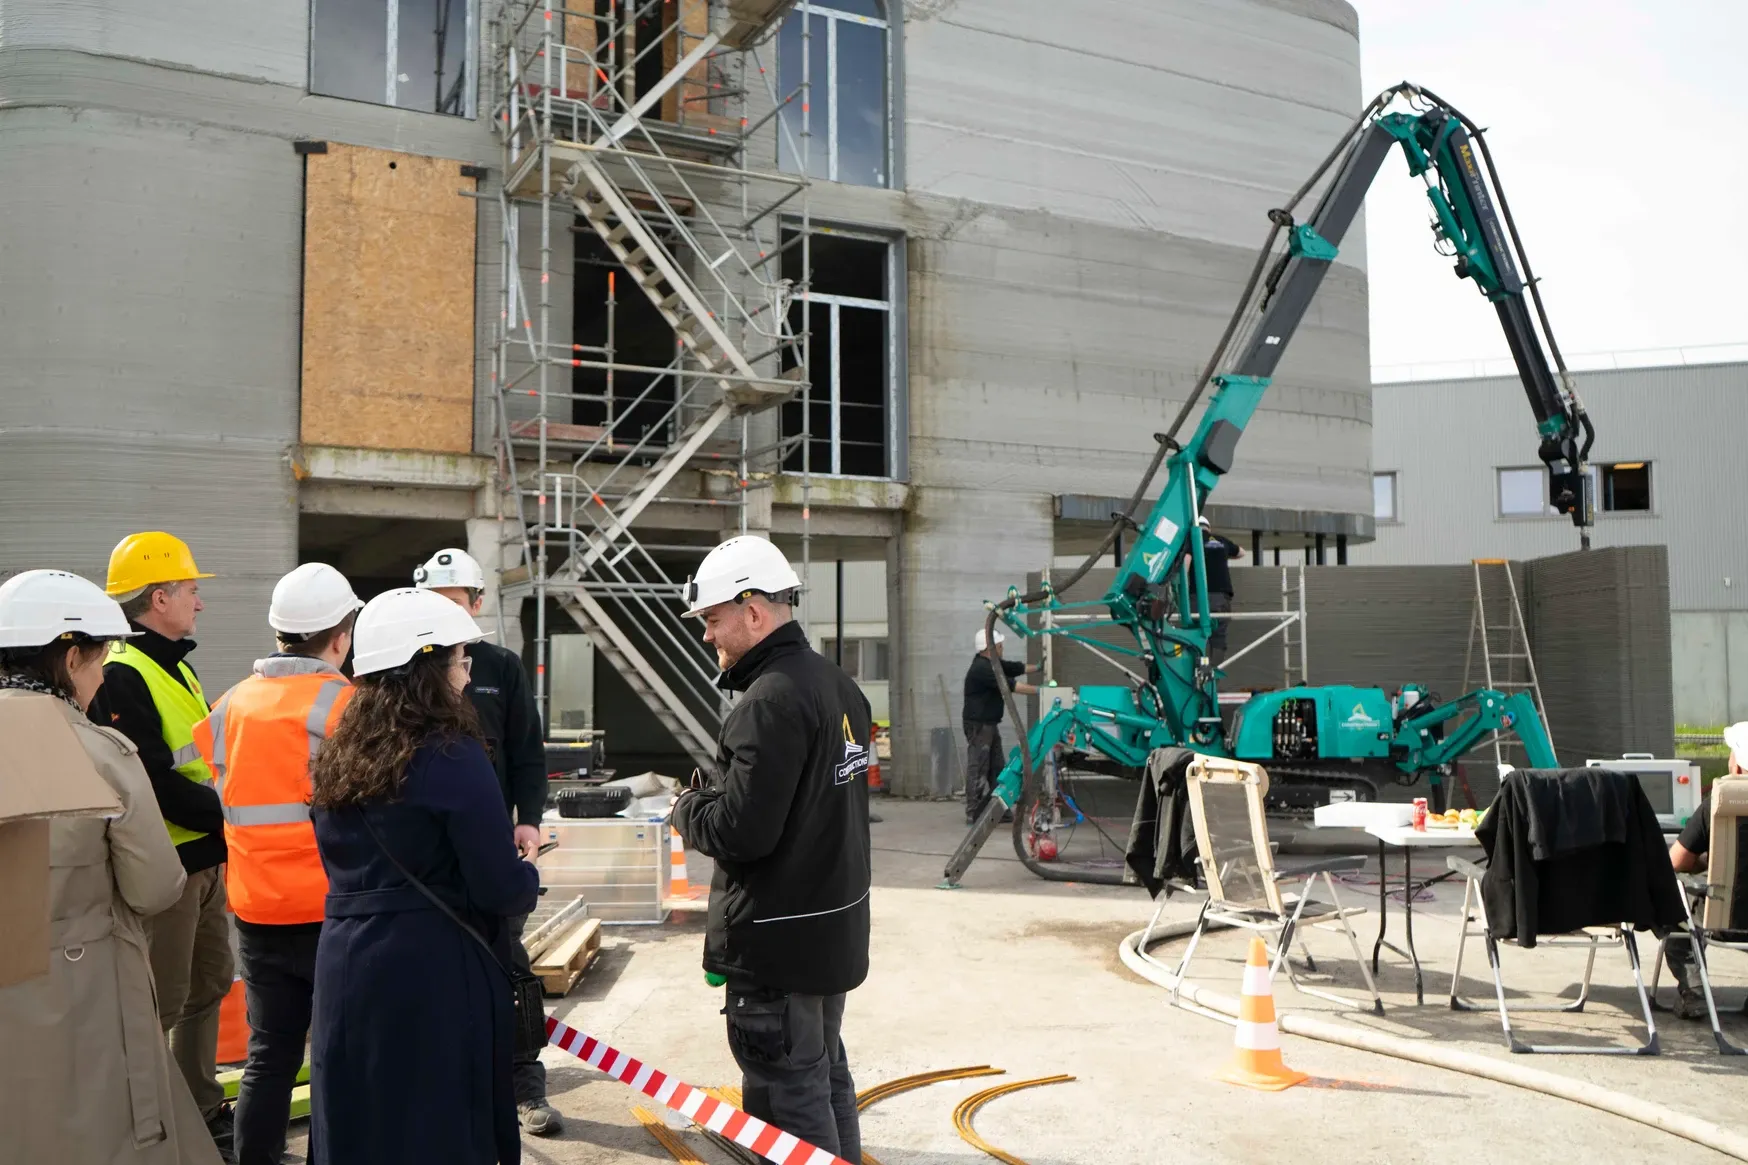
[(1023, 975)]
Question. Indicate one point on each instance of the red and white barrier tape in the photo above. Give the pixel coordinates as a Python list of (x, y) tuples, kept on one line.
[(750, 1132)]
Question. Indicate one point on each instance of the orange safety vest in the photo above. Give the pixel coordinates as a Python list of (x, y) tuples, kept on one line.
[(260, 740)]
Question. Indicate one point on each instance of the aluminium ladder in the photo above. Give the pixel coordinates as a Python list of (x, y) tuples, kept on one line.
[(1506, 663)]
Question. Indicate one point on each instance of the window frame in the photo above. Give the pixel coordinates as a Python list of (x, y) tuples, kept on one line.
[(1599, 482), (1395, 516), (895, 415), (1504, 515), (861, 653), (832, 16), (391, 61)]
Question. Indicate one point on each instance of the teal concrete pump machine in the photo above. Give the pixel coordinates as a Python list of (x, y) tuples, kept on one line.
[(1320, 739)]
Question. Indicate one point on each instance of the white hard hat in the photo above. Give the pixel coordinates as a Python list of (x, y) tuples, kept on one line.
[(312, 598), (1202, 521), (1736, 736), (450, 568), (982, 639), (746, 563), (399, 624), (37, 607)]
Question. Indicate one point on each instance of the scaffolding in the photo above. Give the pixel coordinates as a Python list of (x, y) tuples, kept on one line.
[(642, 125)]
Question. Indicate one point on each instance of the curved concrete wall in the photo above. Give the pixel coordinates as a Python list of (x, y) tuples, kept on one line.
[(1086, 186)]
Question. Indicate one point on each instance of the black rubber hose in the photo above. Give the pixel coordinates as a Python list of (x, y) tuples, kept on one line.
[(1529, 275)]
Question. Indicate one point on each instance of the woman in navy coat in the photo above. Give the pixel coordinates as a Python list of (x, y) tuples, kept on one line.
[(411, 1035)]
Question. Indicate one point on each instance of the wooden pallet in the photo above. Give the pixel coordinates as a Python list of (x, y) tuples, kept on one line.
[(561, 962)]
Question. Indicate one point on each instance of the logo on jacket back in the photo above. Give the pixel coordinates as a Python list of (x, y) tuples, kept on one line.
[(855, 757)]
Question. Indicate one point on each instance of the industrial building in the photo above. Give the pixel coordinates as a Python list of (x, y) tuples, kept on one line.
[(1451, 482), (907, 287)]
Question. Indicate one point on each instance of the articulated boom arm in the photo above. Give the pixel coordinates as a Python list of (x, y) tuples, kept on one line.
[(1494, 712), (1160, 592), (1164, 554)]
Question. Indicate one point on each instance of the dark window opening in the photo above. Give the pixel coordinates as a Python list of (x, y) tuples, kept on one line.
[(1626, 486), (423, 67), (862, 381), (640, 336), (841, 266)]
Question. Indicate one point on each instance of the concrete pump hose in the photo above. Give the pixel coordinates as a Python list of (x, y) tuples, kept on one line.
[(1657, 1116)]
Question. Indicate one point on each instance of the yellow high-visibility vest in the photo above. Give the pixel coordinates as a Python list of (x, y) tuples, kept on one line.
[(179, 710)]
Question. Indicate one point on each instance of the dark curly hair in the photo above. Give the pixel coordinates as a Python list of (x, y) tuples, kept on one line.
[(391, 716)]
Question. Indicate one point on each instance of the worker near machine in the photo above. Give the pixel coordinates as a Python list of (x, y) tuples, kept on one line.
[(85, 1075), (786, 820), (1688, 855), (413, 1023), (1217, 554), (152, 696), (259, 742), (984, 710), (510, 725)]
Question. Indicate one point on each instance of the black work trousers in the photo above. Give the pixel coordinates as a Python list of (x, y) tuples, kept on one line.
[(795, 1073), (528, 1075), (278, 964), (1218, 604), (984, 761)]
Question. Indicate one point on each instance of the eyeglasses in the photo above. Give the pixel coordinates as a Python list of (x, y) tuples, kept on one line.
[(465, 663)]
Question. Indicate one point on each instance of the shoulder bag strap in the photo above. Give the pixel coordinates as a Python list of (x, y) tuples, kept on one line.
[(435, 901)]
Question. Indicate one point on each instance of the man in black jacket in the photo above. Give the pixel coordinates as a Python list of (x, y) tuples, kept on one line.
[(509, 721), (786, 821), (984, 709)]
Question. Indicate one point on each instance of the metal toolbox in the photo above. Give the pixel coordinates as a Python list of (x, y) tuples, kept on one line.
[(619, 865)]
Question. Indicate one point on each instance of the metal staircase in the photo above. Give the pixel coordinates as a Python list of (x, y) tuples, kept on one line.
[(1506, 663), (699, 235)]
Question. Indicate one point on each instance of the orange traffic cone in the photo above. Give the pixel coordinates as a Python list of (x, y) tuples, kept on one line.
[(1256, 1058), (233, 1041), (678, 885), (875, 784)]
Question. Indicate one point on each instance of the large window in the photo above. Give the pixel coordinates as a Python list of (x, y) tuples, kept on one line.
[(413, 54), (866, 660), (848, 413), (1384, 497), (833, 71), (1622, 487)]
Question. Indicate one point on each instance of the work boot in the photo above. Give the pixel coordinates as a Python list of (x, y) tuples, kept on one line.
[(539, 1119), (1690, 1002), (222, 1126)]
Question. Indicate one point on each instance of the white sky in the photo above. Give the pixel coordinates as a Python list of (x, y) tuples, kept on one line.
[(1617, 127)]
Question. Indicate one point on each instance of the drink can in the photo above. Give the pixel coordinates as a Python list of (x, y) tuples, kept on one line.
[(1420, 814)]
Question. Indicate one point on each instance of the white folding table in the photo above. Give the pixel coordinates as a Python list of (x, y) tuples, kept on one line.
[(1409, 839)]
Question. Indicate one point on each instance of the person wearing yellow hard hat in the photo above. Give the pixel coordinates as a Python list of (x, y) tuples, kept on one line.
[(152, 696)]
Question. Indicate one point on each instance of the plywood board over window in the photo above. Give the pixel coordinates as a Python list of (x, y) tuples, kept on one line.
[(388, 301)]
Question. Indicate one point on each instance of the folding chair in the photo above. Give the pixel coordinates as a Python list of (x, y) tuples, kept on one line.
[(1242, 884), (1592, 938), (1719, 897)]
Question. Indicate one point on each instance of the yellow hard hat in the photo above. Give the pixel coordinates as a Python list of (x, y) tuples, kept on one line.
[(139, 560)]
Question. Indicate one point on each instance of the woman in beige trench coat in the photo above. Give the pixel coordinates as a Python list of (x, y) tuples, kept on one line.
[(85, 1078)]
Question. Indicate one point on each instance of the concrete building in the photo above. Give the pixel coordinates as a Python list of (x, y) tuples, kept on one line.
[(291, 297), (1455, 477)]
